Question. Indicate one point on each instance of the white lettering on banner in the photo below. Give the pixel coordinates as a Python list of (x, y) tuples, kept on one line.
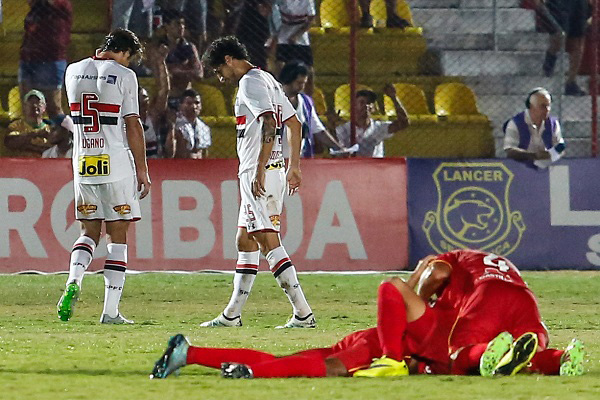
[(21, 221), (143, 229), (199, 219), (230, 209), (294, 230), (594, 245), (335, 202), (560, 202)]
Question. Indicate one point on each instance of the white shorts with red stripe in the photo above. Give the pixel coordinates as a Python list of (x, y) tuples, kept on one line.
[(262, 214), (112, 201)]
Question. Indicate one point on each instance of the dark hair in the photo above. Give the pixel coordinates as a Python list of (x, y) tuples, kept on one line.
[(122, 40), (169, 15), (189, 93), (291, 71), (370, 95), (225, 46)]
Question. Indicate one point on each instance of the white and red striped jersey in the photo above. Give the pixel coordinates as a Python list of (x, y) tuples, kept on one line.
[(259, 92), (101, 92)]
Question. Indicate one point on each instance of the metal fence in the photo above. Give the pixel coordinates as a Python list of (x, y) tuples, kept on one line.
[(460, 68)]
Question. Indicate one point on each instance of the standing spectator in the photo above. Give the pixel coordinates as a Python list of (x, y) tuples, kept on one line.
[(253, 29), (572, 16), (533, 135), (393, 19), (61, 137), (370, 134), (28, 136), (183, 62), (135, 15), (291, 37), (44, 50), (195, 13), (315, 137), (192, 135)]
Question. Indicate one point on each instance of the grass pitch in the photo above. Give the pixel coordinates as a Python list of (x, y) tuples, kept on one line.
[(44, 358)]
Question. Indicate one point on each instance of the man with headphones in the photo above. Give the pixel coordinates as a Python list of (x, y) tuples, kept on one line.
[(533, 135)]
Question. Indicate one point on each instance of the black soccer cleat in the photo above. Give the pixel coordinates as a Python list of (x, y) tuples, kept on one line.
[(236, 371), (521, 352)]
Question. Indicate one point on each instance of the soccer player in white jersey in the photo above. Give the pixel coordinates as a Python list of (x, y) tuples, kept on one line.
[(261, 109), (109, 165)]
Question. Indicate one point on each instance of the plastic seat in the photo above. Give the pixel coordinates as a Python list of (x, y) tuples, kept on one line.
[(319, 100), (413, 99), (14, 12), (14, 103), (379, 13), (334, 14), (341, 99), (456, 101), (213, 101)]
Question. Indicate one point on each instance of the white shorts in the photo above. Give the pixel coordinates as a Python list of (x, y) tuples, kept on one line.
[(111, 201), (262, 214)]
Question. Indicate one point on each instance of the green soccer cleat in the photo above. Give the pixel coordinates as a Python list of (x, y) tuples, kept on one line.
[(495, 350), (571, 362), (67, 301), (384, 367), (174, 357), (521, 352)]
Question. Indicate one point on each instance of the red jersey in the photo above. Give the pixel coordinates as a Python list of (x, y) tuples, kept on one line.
[(47, 31)]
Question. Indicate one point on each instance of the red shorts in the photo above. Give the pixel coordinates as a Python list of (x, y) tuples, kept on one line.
[(495, 307)]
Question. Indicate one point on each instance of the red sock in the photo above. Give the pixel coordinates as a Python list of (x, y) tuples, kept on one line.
[(291, 366), (214, 357), (391, 320), (468, 359), (546, 362)]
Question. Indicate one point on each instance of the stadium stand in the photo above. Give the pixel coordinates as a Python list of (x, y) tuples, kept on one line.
[(455, 101), (414, 100)]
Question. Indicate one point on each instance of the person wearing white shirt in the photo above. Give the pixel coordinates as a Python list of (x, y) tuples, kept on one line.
[(192, 135)]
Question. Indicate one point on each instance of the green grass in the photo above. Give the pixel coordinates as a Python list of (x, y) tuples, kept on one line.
[(44, 358)]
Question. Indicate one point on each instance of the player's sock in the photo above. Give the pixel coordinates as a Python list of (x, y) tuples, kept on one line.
[(285, 273), (114, 277), (214, 357), (546, 362), (291, 366), (81, 257), (422, 324), (391, 320), (467, 359), (245, 272)]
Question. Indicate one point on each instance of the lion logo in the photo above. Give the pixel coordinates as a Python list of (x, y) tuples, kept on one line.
[(473, 209)]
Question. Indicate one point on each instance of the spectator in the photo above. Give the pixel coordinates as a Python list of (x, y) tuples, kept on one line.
[(61, 137), (293, 76), (572, 16), (393, 19), (195, 13), (153, 112), (370, 133), (183, 62), (135, 15), (28, 136), (192, 135), (44, 50), (291, 37), (533, 135), (253, 29)]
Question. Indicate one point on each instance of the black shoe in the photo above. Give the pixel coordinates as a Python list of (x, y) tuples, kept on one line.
[(573, 89), (396, 21), (366, 21), (522, 351), (236, 371), (549, 64)]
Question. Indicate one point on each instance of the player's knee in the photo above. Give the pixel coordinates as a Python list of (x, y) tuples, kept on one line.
[(334, 367), (399, 284)]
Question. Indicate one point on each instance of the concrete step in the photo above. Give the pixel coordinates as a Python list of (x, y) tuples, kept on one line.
[(476, 20), (476, 63), (489, 3), (517, 85), (519, 41), (414, 4)]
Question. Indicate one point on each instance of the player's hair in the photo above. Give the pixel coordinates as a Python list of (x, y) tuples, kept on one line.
[(536, 91), (291, 71), (225, 46), (122, 40), (170, 15), (370, 95), (189, 93)]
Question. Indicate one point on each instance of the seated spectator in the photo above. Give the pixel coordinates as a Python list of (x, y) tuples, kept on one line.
[(370, 133), (315, 137), (253, 30), (28, 136), (43, 58), (393, 19), (291, 37), (61, 137), (192, 135), (533, 135), (183, 62)]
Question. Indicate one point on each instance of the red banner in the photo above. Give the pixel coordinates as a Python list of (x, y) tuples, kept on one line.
[(349, 215)]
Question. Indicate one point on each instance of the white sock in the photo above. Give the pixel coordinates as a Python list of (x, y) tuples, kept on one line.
[(81, 257), (285, 273), (114, 277), (245, 273)]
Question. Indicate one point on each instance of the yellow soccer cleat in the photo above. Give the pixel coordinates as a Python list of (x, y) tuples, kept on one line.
[(383, 367), (521, 352)]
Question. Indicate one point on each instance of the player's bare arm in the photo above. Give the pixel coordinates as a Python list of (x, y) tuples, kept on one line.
[(423, 263), (294, 175), (401, 122), (158, 107), (435, 276), (137, 145), (269, 130)]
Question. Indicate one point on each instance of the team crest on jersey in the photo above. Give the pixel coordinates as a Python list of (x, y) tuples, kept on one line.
[(123, 209), (473, 209), (240, 125), (87, 209)]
